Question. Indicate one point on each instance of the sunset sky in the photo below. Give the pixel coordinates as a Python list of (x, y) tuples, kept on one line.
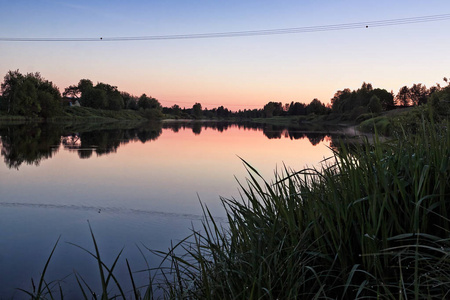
[(236, 72)]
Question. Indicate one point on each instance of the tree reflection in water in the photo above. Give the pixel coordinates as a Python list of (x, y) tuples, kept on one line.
[(31, 143)]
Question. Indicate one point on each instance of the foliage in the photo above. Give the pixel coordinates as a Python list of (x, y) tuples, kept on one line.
[(111, 288), (44, 289), (114, 97), (95, 98), (296, 109), (380, 125), (416, 95), (91, 114), (371, 224), (316, 107), (30, 95), (130, 101), (411, 118), (272, 109), (100, 96), (375, 104), (145, 102), (151, 113), (197, 110), (351, 102), (439, 103)]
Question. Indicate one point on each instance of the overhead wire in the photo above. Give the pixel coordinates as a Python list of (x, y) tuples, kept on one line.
[(246, 33)]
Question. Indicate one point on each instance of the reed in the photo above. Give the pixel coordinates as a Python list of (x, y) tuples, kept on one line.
[(371, 223)]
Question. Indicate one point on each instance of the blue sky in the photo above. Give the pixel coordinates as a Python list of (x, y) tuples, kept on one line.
[(237, 72)]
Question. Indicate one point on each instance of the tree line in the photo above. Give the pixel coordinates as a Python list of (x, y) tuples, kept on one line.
[(31, 95)]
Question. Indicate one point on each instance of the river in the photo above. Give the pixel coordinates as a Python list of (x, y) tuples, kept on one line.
[(138, 187)]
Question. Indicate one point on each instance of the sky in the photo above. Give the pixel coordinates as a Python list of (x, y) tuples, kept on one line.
[(236, 72)]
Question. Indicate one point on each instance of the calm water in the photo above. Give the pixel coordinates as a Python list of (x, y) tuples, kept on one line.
[(135, 185)]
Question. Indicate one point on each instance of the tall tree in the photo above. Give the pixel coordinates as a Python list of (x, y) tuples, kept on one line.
[(316, 107), (30, 95), (386, 98), (95, 98), (11, 82), (114, 98), (418, 94), (375, 104), (341, 101), (146, 102), (296, 109), (272, 109), (197, 110), (402, 96), (130, 102)]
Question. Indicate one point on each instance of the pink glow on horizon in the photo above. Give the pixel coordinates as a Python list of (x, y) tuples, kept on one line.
[(236, 73)]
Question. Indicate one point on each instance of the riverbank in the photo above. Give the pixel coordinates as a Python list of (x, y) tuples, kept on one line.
[(383, 122), (80, 114)]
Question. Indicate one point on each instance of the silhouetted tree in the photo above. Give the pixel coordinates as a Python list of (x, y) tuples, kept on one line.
[(356, 102), (114, 100), (176, 110), (296, 109), (341, 102), (375, 104), (403, 97), (222, 112), (95, 98), (418, 94), (145, 102), (273, 109), (386, 98), (316, 107), (129, 101), (197, 110), (30, 95), (439, 102)]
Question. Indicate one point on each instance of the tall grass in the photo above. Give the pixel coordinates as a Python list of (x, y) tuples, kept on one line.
[(371, 223)]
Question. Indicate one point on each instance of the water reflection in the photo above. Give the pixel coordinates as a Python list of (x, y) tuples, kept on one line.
[(141, 184), (28, 144), (31, 143), (108, 141)]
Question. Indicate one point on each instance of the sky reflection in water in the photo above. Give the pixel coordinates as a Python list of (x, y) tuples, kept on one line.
[(135, 185)]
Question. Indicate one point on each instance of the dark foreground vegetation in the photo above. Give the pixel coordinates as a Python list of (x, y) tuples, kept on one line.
[(372, 223)]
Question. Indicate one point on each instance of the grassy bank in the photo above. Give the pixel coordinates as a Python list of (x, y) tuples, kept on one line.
[(86, 114), (393, 122), (304, 120), (373, 223)]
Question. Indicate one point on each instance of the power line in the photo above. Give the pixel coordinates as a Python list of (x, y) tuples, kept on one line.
[(248, 33)]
